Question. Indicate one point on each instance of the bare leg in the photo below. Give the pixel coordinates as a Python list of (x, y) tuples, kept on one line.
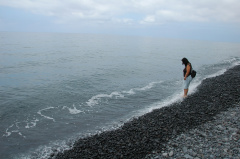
[(185, 92)]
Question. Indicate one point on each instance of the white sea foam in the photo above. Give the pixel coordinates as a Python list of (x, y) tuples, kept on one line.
[(232, 60), (216, 74), (73, 110), (47, 117), (7, 132), (45, 151), (14, 128), (236, 62), (18, 125), (130, 92), (177, 97), (147, 87), (96, 99), (31, 124)]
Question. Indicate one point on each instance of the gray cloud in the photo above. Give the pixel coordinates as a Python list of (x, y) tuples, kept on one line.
[(150, 11)]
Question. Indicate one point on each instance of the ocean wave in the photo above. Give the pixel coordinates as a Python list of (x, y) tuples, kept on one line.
[(147, 87), (234, 61), (220, 72), (96, 99)]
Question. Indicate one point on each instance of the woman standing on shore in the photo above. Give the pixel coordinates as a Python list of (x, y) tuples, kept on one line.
[(187, 75)]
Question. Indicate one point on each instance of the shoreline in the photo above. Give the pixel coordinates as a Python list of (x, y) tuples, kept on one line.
[(150, 132)]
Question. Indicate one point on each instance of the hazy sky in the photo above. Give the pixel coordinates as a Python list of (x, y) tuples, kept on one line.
[(217, 20)]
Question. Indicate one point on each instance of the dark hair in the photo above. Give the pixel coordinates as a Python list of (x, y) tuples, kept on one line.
[(185, 61)]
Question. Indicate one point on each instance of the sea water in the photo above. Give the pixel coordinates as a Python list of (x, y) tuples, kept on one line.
[(57, 88)]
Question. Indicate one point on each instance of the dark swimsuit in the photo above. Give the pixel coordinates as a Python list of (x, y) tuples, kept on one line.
[(185, 71)]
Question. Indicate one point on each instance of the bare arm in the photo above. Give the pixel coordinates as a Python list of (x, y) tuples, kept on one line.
[(188, 71)]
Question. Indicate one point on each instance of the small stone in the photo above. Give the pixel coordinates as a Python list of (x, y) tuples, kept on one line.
[(202, 134), (188, 138), (175, 145), (170, 154), (185, 149), (164, 154), (188, 156), (226, 139), (193, 153), (220, 127)]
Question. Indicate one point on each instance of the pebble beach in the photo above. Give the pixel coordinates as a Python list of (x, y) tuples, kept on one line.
[(206, 124), (215, 139)]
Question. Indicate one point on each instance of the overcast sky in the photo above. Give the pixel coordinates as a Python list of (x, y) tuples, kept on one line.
[(217, 20)]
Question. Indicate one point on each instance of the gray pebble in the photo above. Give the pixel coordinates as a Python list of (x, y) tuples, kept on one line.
[(164, 154), (170, 154), (188, 156)]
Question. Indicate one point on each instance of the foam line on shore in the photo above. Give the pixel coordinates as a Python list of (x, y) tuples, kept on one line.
[(178, 96)]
